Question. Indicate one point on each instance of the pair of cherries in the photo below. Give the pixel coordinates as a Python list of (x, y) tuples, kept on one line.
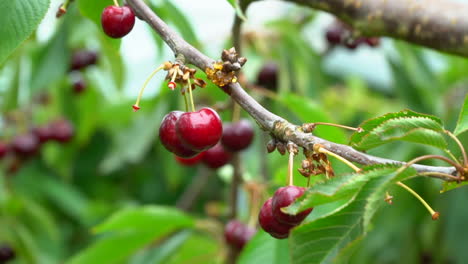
[(237, 234), (274, 221), (236, 136), (187, 134)]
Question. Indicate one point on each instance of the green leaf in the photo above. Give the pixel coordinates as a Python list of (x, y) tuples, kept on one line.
[(237, 8), (320, 241), (405, 125), (462, 123), (19, 19), (448, 186), (145, 218), (263, 248), (130, 230), (164, 251)]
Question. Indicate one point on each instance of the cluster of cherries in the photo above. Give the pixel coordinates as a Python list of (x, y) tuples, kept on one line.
[(237, 234), (274, 221), (6, 254), (201, 137), (80, 60), (339, 33), (27, 145)]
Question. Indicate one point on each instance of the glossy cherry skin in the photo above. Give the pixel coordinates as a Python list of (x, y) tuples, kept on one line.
[(4, 149), (62, 130), (283, 197), (270, 225), (199, 130), (169, 138), (82, 59), (25, 145), (43, 133), (190, 161), (268, 76), (117, 21), (6, 254), (237, 234), (237, 136), (216, 157)]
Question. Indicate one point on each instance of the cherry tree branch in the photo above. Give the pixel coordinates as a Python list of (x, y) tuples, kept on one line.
[(437, 24), (275, 125)]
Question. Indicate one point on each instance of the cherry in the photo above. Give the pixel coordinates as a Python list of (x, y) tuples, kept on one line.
[(216, 157), (79, 86), (62, 130), (334, 34), (43, 133), (237, 234), (372, 41), (189, 161), (25, 145), (270, 224), (237, 136), (199, 130), (268, 76), (169, 138), (6, 254), (4, 148), (283, 197), (117, 21), (82, 59)]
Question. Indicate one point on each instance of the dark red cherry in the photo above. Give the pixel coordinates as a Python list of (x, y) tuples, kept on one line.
[(237, 234), (199, 130), (334, 34), (268, 76), (62, 130), (169, 138), (216, 157), (4, 148), (79, 85), (283, 197), (82, 59), (43, 133), (25, 145), (270, 224), (190, 161), (6, 254), (117, 21), (373, 41), (237, 136)]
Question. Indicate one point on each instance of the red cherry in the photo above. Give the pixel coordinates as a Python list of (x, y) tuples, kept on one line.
[(25, 145), (117, 21), (283, 197), (190, 161), (237, 136), (82, 59), (268, 76), (334, 34), (79, 86), (237, 234), (270, 224), (372, 41), (6, 253), (199, 130), (43, 133), (169, 138), (62, 130), (4, 149), (216, 157)]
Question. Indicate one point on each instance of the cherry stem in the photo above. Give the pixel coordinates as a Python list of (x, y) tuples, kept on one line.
[(345, 161), (137, 103), (290, 168), (425, 157), (174, 75), (116, 3), (186, 102), (440, 175), (434, 214), (190, 94), (235, 112), (465, 157), (357, 129), (451, 155)]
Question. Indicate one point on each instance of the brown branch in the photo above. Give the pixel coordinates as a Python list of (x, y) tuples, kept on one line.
[(268, 121), (437, 24)]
